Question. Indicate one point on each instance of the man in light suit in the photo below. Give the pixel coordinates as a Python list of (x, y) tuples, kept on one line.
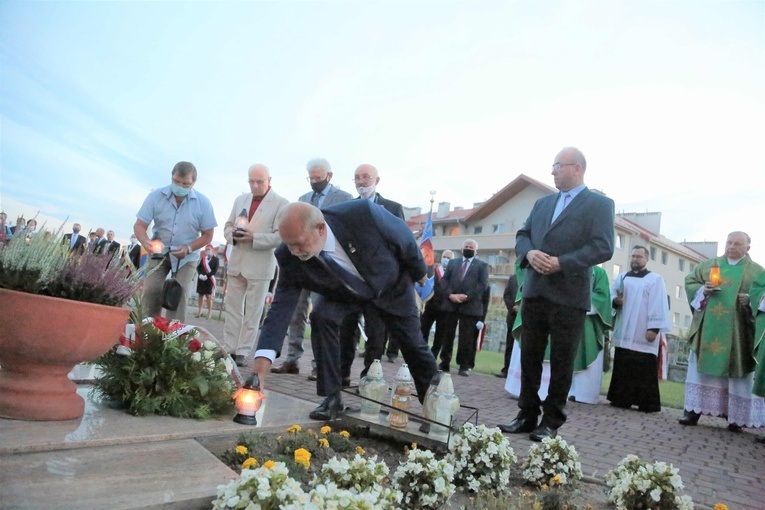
[(464, 283), (358, 258), (251, 229), (564, 236), (322, 194), (75, 241)]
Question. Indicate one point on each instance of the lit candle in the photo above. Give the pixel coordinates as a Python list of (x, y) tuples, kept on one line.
[(156, 246), (714, 275), (248, 399)]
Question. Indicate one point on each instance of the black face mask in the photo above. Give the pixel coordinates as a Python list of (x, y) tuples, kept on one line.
[(468, 254), (318, 187)]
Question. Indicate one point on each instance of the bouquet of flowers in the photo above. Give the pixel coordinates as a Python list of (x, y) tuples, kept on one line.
[(637, 484), (270, 486), (423, 481), (481, 457), (552, 462), (164, 368)]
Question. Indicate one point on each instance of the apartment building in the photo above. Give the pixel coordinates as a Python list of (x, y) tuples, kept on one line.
[(494, 223)]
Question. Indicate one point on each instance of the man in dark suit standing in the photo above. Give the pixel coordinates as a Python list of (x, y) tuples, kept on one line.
[(75, 241), (435, 305), (100, 244), (465, 282), (564, 236), (358, 258), (366, 178)]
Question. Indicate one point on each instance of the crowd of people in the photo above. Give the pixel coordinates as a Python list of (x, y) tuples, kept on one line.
[(353, 261)]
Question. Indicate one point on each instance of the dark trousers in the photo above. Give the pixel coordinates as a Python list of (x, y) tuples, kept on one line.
[(466, 346), (564, 325), (509, 340), (326, 319)]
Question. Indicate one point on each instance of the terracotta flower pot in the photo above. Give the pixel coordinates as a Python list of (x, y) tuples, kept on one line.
[(41, 340)]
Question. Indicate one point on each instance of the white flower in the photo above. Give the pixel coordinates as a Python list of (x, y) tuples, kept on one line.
[(481, 457), (550, 458), (197, 356), (636, 484)]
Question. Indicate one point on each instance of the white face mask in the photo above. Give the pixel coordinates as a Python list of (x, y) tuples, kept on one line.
[(445, 262), (366, 191)]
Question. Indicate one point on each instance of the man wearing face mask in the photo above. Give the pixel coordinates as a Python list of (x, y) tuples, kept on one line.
[(75, 241), (464, 283), (366, 178), (184, 222), (322, 194), (251, 229)]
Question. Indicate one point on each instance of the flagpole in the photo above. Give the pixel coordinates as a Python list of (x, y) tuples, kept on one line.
[(432, 195)]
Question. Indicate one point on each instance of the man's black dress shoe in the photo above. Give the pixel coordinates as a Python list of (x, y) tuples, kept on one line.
[(519, 425), (542, 432), (689, 418), (329, 409)]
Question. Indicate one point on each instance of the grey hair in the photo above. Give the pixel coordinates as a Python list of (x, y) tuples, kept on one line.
[(320, 163), (305, 214), (470, 241), (741, 233), (260, 165)]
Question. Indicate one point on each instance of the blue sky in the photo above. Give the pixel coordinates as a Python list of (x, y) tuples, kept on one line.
[(98, 101)]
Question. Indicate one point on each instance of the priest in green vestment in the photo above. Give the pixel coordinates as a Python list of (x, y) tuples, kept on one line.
[(721, 337), (757, 298)]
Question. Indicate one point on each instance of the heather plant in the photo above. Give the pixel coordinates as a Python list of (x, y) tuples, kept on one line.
[(44, 265)]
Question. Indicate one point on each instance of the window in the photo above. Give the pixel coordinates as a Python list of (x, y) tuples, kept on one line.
[(653, 253), (454, 231), (477, 230), (678, 292), (681, 264), (675, 319), (687, 322), (499, 228), (664, 257), (620, 241), (617, 270)]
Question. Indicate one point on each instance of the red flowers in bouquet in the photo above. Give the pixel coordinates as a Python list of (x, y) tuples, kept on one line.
[(195, 345), (165, 325)]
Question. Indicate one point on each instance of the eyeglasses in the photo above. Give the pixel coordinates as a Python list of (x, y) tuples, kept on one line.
[(315, 179), (363, 178), (556, 166), (259, 182)]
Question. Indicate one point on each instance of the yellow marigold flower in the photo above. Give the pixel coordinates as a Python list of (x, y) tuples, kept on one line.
[(303, 457), (537, 505), (294, 429), (414, 446), (588, 507), (345, 433), (406, 450), (269, 464), (241, 449), (249, 463), (544, 487), (721, 506), (360, 450), (323, 443), (310, 432), (527, 492), (556, 480), (326, 429)]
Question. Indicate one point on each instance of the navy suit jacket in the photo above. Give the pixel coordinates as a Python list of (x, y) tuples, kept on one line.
[(474, 284), (581, 237), (380, 246)]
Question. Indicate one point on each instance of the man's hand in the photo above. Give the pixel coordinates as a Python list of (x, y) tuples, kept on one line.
[(709, 288), (422, 281), (458, 298), (243, 236), (650, 336), (181, 252), (619, 299), (262, 368), (543, 263), (743, 299)]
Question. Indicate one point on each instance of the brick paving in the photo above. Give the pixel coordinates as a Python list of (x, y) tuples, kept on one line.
[(717, 466)]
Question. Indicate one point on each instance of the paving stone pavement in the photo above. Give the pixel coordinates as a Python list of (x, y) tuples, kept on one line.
[(717, 466)]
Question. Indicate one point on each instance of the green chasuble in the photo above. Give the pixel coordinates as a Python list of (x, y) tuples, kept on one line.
[(722, 334), (595, 326), (756, 292)]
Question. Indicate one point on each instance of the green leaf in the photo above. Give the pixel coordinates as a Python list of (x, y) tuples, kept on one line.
[(201, 383)]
